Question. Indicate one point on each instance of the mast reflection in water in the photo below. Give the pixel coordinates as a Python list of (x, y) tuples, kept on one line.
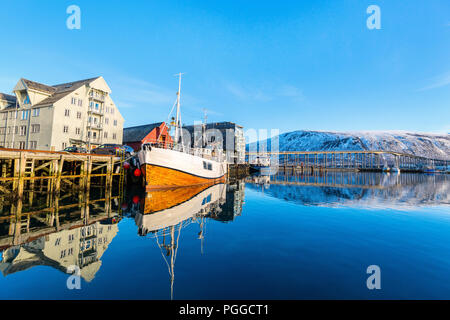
[(292, 237)]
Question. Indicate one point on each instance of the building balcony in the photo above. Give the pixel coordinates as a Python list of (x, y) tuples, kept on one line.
[(97, 126), (96, 111), (98, 97)]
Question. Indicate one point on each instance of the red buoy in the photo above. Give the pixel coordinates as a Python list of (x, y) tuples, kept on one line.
[(126, 165), (137, 172), (136, 199)]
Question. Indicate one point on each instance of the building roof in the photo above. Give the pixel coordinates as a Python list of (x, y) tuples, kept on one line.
[(133, 134), (217, 125), (38, 86), (7, 97), (63, 89)]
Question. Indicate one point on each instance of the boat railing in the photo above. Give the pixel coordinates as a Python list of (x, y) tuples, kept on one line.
[(214, 154)]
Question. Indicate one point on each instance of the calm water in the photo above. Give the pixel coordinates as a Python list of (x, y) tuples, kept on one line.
[(282, 237)]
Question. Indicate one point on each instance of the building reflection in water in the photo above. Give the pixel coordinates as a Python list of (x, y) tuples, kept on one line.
[(365, 189), (57, 231)]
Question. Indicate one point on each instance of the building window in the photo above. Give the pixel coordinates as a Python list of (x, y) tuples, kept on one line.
[(80, 102), (26, 100), (106, 120), (95, 120), (105, 135), (33, 145), (77, 130), (23, 130), (78, 115), (107, 109), (22, 145), (66, 129), (70, 251), (90, 119), (5, 115), (9, 130), (112, 110), (2, 130), (115, 122), (36, 112), (16, 131), (35, 128), (25, 114), (67, 112), (74, 100), (94, 135), (114, 136), (64, 145)]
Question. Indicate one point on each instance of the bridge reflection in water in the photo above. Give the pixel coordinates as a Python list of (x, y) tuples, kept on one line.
[(356, 188)]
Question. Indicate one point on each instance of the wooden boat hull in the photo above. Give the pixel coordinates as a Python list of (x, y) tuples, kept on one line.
[(157, 177)]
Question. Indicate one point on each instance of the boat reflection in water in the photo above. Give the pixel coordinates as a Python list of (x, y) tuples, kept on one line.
[(165, 213), (57, 231)]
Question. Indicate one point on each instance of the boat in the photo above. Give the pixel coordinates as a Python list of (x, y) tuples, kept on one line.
[(262, 165), (429, 169), (177, 165), (395, 170)]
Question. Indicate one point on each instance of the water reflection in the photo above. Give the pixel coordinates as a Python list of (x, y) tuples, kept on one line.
[(57, 231), (365, 189), (67, 230), (77, 229), (163, 214)]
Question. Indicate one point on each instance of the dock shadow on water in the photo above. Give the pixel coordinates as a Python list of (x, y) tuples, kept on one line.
[(286, 236)]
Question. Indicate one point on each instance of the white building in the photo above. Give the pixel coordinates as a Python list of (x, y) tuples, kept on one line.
[(53, 117)]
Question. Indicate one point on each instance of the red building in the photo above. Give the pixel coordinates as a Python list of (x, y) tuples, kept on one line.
[(148, 133)]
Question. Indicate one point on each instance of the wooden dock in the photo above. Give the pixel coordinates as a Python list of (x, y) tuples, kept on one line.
[(48, 171)]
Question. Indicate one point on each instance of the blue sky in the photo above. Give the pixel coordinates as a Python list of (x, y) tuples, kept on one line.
[(262, 64)]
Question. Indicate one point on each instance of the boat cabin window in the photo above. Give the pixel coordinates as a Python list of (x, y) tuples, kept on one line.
[(207, 165)]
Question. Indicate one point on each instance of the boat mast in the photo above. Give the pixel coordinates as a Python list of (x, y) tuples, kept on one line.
[(178, 119)]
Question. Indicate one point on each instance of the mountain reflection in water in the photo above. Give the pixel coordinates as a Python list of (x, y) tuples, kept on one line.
[(363, 189)]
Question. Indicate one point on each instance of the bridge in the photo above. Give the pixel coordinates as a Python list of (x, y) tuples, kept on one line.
[(357, 160)]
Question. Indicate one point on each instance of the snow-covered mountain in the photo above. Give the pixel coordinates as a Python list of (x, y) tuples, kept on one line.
[(421, 144)]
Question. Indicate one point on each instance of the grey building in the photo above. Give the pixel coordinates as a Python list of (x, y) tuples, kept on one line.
[(227, 135)]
